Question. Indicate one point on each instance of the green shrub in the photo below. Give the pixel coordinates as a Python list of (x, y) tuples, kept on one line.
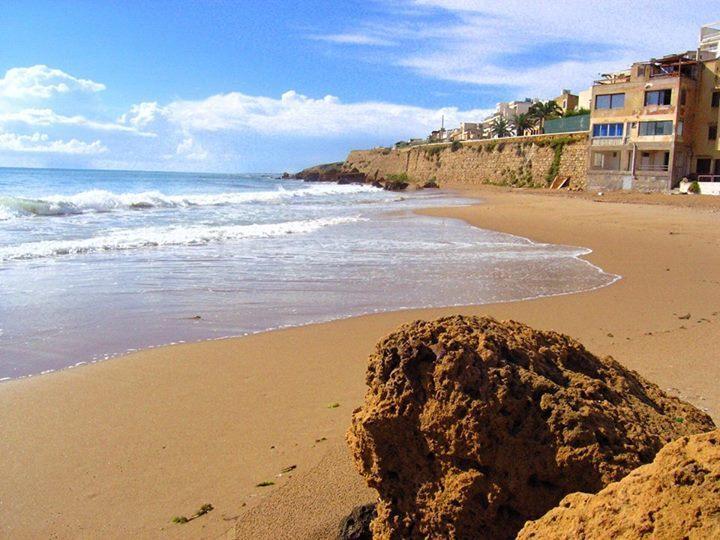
[(455, 146), (694, 188), (401, 177)]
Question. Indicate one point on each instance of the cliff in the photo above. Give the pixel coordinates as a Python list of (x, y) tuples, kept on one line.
[(526, 161)]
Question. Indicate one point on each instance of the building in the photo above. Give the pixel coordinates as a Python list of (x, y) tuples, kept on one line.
[(506, 110), (467, 132), (656, 123), (567, 101), (585, 99)]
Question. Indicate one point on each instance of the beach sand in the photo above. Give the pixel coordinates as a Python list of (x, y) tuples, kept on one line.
[(116, 449)]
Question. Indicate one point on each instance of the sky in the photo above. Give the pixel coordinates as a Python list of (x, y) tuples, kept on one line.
[(271, 86)]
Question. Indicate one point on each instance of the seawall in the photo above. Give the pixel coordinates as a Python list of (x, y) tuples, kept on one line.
[(519, 161)]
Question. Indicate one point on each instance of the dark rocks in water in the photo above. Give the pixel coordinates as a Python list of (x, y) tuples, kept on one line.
[(395, 185), (351, 178), (430, 185), (471, 427), (356, 526), (286, 176), (327, 172), (377, 184)]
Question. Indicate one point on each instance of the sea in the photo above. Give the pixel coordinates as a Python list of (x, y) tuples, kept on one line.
[(98, 263)]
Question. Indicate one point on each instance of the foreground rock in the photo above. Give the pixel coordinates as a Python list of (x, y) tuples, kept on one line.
[(356, 526), (676, 496), (471, 427)]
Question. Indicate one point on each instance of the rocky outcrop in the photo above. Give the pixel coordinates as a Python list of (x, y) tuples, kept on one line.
[(356, 526), (676, 496), (470, 426)]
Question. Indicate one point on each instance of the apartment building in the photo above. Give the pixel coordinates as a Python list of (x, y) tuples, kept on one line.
[(567, 101), (657, 123), (506, 110)]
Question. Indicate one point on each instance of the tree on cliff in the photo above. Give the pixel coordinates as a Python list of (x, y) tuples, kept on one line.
[(545, 111), (523, 121), (500, 127)]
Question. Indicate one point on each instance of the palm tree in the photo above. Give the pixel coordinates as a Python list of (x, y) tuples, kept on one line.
[(545, 111), (500, 127), (523, 121)]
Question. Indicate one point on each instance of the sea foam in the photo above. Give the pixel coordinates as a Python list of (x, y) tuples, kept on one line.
[(99, 201), (147, 237)]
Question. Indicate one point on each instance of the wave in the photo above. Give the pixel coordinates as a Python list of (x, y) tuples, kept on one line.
[(97, 201), (127, 239)]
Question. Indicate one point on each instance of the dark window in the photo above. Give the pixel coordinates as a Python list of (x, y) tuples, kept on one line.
[(610, 101), (656, 128), (717, 167), (712, 133), (683, 96), (703, 166), (716, 99), (608, 130), (658, 97)]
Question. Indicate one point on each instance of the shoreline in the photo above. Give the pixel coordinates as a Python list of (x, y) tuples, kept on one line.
[(118, 448), (433, 211)]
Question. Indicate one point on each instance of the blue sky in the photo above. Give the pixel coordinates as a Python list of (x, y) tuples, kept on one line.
[(242, 86)]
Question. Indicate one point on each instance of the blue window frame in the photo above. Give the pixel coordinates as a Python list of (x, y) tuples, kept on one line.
[(608, 130)]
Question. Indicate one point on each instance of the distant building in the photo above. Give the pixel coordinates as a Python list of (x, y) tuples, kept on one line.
[(585, 99), (467, 132), (567, 101), (656, 123), (506, 110)]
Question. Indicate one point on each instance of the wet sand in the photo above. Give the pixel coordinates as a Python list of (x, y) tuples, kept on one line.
[(116, 449)]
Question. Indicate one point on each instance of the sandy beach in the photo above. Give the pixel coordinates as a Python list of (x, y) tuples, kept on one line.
[(118, 448)]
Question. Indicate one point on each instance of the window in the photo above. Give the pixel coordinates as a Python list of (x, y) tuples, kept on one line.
[(608, 130), (680, 128), (683, 96), (656, 128), (712, 132), (716, 99), (658, 97), (703, 166), (610, 101)]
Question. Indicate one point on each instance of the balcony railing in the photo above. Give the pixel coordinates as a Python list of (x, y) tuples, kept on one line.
[(708, 178), (653, 168), (608, 141)]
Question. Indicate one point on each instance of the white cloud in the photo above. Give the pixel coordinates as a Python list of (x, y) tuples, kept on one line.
[(42, 82), (296, 114), (41, 143), (47, 117), (141, 114), (533, 48), (354, 39), (188, 148)]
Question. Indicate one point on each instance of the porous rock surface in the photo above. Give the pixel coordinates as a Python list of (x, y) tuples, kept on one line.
[(470, 426), (676, 496)]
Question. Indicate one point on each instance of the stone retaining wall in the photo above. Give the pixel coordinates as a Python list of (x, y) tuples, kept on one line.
[(521, 161)]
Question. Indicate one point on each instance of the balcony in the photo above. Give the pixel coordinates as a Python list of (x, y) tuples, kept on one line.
[(608, 141), (652, 168)]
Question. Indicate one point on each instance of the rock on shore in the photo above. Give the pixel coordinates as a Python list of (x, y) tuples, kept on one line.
[(470, 426), (676, 496)]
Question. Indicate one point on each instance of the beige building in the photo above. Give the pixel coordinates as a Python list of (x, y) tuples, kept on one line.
[(567, 101), (657, 123), (585, 99), (506, 110)]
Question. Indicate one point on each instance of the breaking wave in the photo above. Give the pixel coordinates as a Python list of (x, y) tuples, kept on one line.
[(146, 237), (97, 201)]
